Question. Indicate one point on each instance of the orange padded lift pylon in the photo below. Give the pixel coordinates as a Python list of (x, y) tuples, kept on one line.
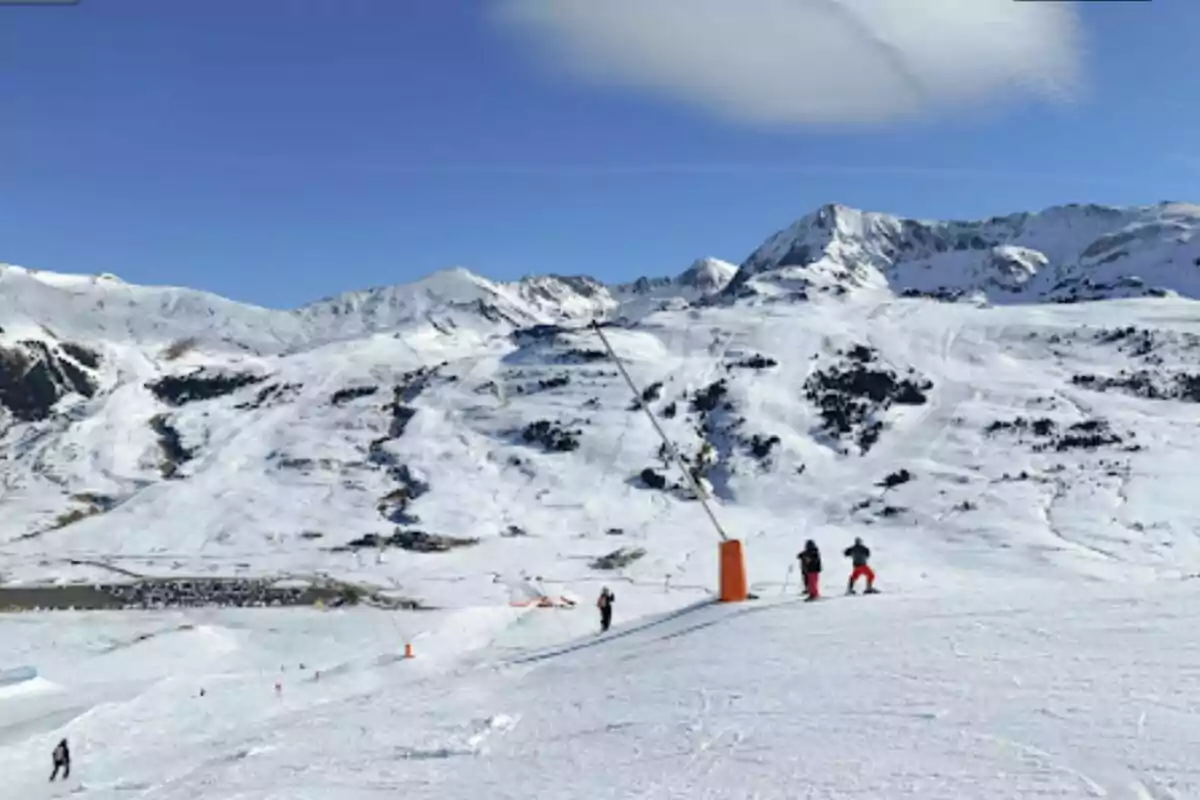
[(733, 572)]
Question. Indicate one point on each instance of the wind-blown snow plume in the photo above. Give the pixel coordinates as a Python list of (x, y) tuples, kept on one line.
[(810, 61)]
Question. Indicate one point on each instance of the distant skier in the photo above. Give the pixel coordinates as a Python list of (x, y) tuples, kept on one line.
[(62, 760), (859, 554), (605, 604), (810, 570)]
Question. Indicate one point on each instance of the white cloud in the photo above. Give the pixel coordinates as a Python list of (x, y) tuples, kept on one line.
[(788, 62)]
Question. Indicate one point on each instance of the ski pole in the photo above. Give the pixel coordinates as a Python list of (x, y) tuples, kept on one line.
[(787, 578)]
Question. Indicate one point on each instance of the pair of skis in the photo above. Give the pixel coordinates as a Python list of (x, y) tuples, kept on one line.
[(851, 593), (788, 578)]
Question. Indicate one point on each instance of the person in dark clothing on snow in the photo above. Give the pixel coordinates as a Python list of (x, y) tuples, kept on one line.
[(605, 605), (859, 554), (62, 760), (810, 570)]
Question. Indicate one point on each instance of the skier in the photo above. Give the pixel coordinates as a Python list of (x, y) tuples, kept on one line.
[(810, 570), (605, 605), (859, 553), (62, 760)]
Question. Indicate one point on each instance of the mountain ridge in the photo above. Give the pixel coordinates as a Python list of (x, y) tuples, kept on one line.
[(1063, 253), (1060, 254)]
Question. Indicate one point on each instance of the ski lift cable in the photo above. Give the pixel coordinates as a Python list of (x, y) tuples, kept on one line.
[(701, 495)]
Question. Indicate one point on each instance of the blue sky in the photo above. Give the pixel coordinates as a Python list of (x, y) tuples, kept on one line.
[(277, 152)]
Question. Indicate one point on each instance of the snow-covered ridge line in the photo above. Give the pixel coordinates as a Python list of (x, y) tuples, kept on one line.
[(1062, 254), (35, 303)]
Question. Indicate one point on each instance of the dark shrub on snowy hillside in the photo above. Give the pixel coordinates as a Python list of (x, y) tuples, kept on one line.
[(652, 479), (537, 333), (270, 394), (618, 558), (352, 393), (1181, 386), (544, 384), (753, 362), (895, 479), (413, 382), (551, 436), (177, 390), (650, 394), (851, 394), (1048, 435), (411, 540), (761, 446), (578, 356), (708, 398)]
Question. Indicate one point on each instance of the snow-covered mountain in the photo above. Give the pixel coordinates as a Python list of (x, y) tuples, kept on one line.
[(1064, 254), (452, 298), (169, 431)]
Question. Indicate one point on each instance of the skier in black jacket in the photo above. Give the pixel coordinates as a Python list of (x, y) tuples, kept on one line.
[(604, 603), (62, 760), (810, 570), (859, 554)]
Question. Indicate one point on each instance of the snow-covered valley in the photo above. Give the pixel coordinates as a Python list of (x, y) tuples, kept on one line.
[(1004, 411)]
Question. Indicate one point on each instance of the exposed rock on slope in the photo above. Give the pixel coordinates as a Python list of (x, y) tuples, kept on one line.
[(199, 385), (34, 376), (853, 394)]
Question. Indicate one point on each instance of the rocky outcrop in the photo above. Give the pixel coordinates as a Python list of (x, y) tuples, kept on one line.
[(176, 390), (394, 505), (84, 356), (551, 436), (411, 540), (619, 558), (343, 396), (34, 377), (1183, 386), (895, 479), (174, 454), (1046, 434), (270, 395), (852, 395)]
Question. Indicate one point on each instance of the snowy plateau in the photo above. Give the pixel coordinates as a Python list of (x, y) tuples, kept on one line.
[(1004, 410)]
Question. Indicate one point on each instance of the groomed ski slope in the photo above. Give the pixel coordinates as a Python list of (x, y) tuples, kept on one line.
[(1039, 691)]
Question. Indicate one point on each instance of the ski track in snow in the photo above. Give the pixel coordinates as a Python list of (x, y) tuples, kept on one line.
[(838, 698)]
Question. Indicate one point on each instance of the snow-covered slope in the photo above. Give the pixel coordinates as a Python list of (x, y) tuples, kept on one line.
[(164, 431), (43, 305), (1023, 472), (1080, 694)]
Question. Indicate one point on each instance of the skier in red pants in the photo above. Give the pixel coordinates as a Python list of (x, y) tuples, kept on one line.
[(859, 553), (810, 570)]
